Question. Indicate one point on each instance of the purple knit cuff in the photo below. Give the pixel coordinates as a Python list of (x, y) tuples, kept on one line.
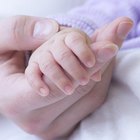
[(81, 23)]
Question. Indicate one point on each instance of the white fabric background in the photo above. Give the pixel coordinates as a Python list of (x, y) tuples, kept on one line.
[(36, 7)]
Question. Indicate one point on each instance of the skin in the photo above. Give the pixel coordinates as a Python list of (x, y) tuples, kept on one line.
[(35, 114), (67, 59)]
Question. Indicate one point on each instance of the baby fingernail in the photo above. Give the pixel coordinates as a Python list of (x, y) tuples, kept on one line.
[(90, 63), (68, 89), (43, 92), (107, 53), (84, 81)]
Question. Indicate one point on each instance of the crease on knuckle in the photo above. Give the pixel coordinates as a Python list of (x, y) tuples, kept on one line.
[(35, 84), (32, 81), (74, 38), (64, 56), (47, 67)]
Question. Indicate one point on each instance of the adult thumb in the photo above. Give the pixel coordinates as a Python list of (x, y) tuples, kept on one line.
[(114, 32), (25, 32)]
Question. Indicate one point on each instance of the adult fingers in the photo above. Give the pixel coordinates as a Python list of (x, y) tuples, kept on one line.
[(25, 32), (104, 52), (114, 32)]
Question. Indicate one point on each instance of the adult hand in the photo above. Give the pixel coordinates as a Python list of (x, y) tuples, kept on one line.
[(70, 111), (20, 34), (18, 101)]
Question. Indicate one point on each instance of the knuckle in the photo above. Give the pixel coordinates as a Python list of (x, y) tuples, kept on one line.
[(64, 56), (74, 38), (47, 66), (30, 75), (35, 84), (54, 76)]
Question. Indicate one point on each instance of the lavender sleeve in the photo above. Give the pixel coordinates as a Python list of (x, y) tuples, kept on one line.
[(95, 13)]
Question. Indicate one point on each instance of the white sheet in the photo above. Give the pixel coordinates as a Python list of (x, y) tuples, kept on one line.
[(117, 119)]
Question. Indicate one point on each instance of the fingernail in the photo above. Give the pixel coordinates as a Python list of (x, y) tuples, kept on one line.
[(90, 63), (123, 29), (43, 92), (84, 81), (68, 89), (42, 28), (106, 53)]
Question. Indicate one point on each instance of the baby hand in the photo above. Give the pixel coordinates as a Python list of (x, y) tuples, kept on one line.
[(65, 60), (62, 60)]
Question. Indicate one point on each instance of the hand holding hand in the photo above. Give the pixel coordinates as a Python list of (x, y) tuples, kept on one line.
[(36, 114)]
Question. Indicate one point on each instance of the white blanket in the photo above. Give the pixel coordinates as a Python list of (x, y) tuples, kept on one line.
[(117, 119)]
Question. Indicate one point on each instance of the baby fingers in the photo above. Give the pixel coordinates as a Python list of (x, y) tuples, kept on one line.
[(79, 46), (69, 62), (55, 73), (34, 77), (104, 52)]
